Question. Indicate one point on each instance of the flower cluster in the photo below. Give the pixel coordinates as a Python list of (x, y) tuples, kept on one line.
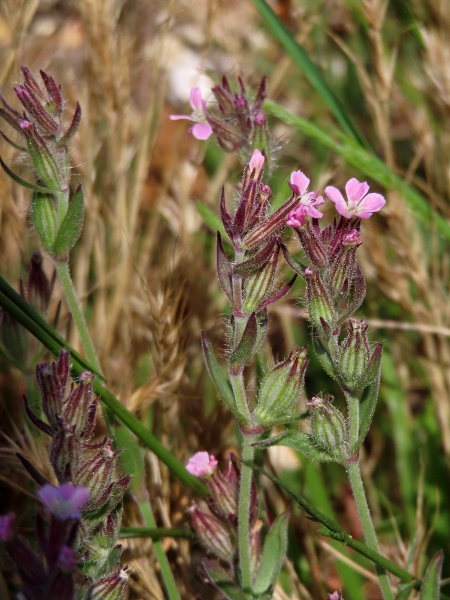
[(70, 411), (238, 123), (57, 221)]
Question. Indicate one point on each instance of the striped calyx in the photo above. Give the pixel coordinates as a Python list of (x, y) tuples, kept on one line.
[(280, 390), (328, 428)]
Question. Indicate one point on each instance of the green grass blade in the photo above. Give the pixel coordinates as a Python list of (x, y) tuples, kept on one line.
[(367, 163), (309, 70), (35, 324), (156, 533)]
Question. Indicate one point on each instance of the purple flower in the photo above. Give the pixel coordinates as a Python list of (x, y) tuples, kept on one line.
[(64, 502), (359, 203), (299, 185), (297, 217), (202, 129), (6, 527), (202, 464)]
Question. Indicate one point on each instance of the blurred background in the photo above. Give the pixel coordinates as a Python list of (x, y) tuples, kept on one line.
[(144, 267)]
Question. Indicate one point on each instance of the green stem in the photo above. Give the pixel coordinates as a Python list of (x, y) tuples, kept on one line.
[(166, 572), (62, 269), (245, 489), (354, 474)]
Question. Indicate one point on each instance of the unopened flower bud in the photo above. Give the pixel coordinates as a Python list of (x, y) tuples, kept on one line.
[(344, 265), (111, 587), (96, 473), (80, 407), (45, 166), (212, 533), (328, 428), (354, 352), (280, 390), (65, 451), (321, 308), (260, 284), (52, 382), (38, 286), (202, 465)]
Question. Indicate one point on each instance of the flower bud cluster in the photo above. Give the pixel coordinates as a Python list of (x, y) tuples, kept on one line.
[(70, 411), (57, 222), (217, 529)]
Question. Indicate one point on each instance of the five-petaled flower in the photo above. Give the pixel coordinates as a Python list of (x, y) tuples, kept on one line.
[(359, 203), (65, 501), (202, 129), (202, 464), (299, 185)]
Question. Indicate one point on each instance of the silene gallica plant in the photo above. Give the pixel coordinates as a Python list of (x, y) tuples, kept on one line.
[(335, 290)]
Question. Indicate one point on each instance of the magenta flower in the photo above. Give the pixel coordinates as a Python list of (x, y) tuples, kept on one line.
[(256, 163), (297, 217), (359, 203), (299, 185), (202, 464), (64, 502), (202, 129)]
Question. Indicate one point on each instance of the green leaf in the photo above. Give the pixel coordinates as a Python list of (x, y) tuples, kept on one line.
[(217, 375), (430, 589), (367, 407), (367, 163), (31, 186), (309, 70), (71, 227), (211, 219), (246, 347), (273, 555), (324, 357), (31, 320), (301, 442)]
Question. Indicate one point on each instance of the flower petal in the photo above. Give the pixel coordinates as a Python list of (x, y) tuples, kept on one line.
[(356, 190), (196, 100), (316, 214), (202, 131), (372, 203), (299, 182), (177, 117), (335, 196)]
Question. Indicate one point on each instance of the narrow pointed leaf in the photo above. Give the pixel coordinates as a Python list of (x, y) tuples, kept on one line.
[(245, 349), (224, 269), (13, 144), (226, 218), (35, 474), (220, 579), (430, 589), (324, 357), (73, 127), (279, 294), (301, 442), (217, 375), (275, 547), (292, 262), (255, 262), (26, 184), (70, 229)]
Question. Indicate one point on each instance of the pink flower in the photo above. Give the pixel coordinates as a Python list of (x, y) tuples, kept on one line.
[(299, 184), (359, 203), (65, 501), (352, 238), (202, 129), (297, 217), (202, 464)]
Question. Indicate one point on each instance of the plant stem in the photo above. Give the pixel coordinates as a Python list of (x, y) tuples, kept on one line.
[(245, 489), (62, 269), (166, 572), (354, 474)]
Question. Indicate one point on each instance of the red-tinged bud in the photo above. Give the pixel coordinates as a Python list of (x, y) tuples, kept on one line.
[(96, 474), (328, 428), (65, 452), (344, 265), (223, 500), (55, 103), (280, 390), (37, 111), (111, 587), (46, 168), (259, 285), (312, 245), (52, 382), (212, 533), (80, 407), (321, 308), (271, 225), (38, 286)]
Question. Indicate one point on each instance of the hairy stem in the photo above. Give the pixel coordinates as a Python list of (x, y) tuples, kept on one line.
[(354, 474), (245, 489), (62, 269)]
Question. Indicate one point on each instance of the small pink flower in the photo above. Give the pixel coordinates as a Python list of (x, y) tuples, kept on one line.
[(352, 238), (299, 185), (202, 129), (202, 464), (359, 203), (297, 217)]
